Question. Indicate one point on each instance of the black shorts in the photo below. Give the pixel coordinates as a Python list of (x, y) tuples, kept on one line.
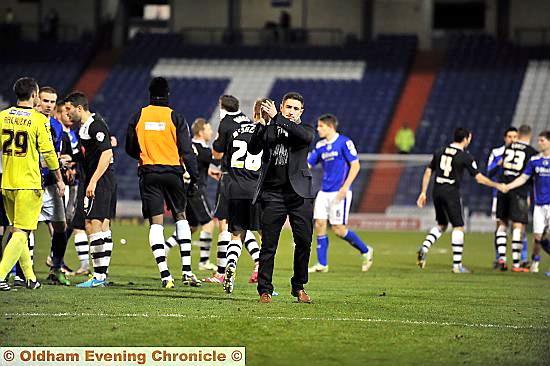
[(79, 219), (198, 210), (513, 207), (222, 201), (244, 215), (103, 205), (157, 188), (448, 208)]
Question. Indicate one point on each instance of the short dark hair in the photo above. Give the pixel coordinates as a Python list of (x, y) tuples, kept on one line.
[(329, 119), (198, 125), (258, 109), (510, 129), (24, 87), (159, 88), (294, 95), (77, 98), (545, 134), (460, 134), (229, 103), (47, 89), (524, 130)]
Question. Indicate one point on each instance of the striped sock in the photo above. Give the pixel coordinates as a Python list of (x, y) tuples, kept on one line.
[(156, 241), (98, 256), (234, 250), (431, 238), (517, 244), (82, 248), (183, 237), (500, 242), (223, 241), (457, 242), (108, 247), (252, 246), (170, 243), (206, 243)]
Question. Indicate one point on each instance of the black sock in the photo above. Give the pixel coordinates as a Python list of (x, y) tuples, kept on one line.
[(59, 246)]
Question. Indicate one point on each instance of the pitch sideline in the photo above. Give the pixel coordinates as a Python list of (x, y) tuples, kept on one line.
[(337, 319)]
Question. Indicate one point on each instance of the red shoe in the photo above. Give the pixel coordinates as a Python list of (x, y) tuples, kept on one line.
[(215, 278), (253, 277), (520, 270)]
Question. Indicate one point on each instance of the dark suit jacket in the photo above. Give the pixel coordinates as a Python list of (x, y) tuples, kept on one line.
[(300, 137)]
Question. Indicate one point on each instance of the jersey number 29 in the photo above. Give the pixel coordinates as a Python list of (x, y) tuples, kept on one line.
[(20, 140), (250, 161)]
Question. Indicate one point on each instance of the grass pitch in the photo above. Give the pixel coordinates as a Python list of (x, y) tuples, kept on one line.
[(394, 314)]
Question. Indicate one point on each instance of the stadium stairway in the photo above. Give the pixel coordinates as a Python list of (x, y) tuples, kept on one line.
[(533, 106), (384, 180), (95, 74)]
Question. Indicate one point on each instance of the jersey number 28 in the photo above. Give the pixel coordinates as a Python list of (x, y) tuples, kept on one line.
[(250, 161)]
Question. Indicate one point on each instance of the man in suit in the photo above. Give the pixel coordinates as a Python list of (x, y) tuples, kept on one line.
[(284, 188)]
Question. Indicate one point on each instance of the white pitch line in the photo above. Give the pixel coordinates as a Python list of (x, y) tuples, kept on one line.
[(218, 317)]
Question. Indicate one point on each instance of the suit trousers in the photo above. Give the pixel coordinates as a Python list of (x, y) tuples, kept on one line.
[(275, 208)]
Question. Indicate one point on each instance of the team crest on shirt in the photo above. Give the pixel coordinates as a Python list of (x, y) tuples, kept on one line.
[(329, 147), (100, 136), (545, 162)]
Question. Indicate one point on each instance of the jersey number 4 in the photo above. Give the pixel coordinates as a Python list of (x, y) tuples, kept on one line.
[(514, 160), (250, 162), (446, 164), (19, 139)]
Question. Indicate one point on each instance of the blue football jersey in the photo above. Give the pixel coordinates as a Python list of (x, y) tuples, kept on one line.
[(539, 168), (56, 129), (335, 157), (494, 170)]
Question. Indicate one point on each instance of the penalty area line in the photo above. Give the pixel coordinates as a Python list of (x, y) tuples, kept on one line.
[(325, 319)]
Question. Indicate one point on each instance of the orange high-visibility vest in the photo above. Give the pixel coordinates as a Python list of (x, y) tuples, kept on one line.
[(157, 137)]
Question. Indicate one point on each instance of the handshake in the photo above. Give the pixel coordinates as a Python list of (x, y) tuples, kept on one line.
[(502, 187)]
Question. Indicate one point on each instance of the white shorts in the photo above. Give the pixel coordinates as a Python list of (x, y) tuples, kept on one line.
[(325, 208), (70, 201), (541, 219), (53, 207)]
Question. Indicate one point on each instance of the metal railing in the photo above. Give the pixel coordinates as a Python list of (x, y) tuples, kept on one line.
[(263, 36)]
